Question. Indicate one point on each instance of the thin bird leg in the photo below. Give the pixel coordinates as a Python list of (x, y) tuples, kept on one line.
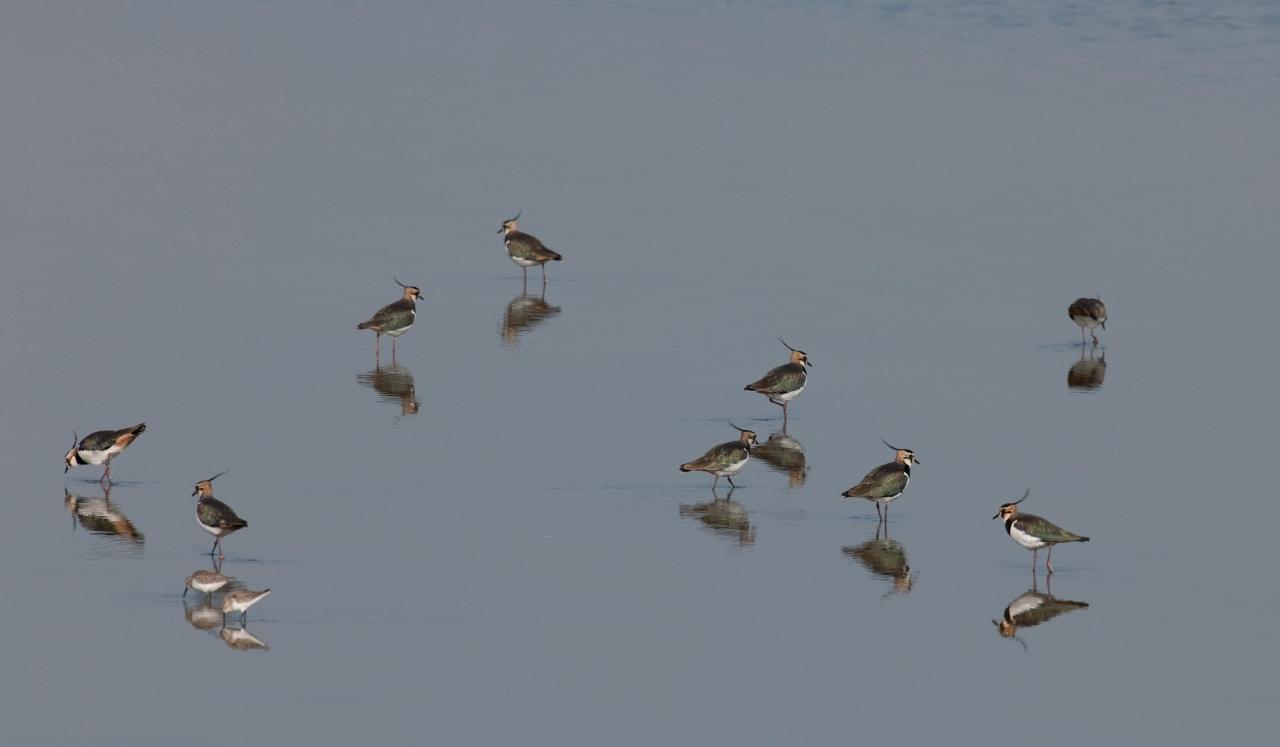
[(544, 274), (714, 483), (1034, 553), (214, 549), (377, 345), (1095, 337), (393, 351), (731, 482), (886, 516), (525, 270), (1048, 561), (879, 517)]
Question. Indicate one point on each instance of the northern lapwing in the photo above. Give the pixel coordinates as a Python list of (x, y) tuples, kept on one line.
[(215, 517), (394, 319), (527, 250), (100, 447), (1088, 313), (241, 600), (206, 582), (784, 383), (726, 459), (886, 482), (1033, 532), (1032, 608)]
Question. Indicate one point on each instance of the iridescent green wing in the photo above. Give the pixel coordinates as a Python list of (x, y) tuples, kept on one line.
[(785, 378)]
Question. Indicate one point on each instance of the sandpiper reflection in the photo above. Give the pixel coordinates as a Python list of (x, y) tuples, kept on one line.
[(202, 615), (523, 314), (240, 639), (1031, 608), (723, 516), (884, 557), (394, 384), (784, 454), (1088, 373), (102, 518)]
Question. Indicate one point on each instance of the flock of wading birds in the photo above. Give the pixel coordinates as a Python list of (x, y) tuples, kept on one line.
[(881, 485)]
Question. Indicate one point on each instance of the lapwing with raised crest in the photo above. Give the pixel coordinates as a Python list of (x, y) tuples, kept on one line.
[(1033, 532), (525, 249), (1088, 313), (241, 600), (784, 383), (726, 459), (394, 319), (886, 482), (215, 517), (100, 447)]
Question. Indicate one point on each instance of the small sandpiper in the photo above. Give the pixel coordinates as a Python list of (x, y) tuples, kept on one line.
[(206, 582), (784, 383), (527, 250), (394, 319), (241, 600), (1088, 313), (215, 517), (726, 459), (886, 482), (1033, 532), (100, 447)]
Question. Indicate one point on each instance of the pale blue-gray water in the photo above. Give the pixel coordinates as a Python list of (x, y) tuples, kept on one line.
[(488, 543)]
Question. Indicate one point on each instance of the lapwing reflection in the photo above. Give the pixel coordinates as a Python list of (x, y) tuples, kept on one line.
[(524, 314), (102, 518), (1031, 608), (723, 516), (1088, 373), (783, 453), (886, 558), (394, 384)]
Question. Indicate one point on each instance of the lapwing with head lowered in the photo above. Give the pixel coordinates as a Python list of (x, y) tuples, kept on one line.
[(100, 447), (215, 517), (394, 319), (784, 383), (525, 249), (726, 459), (1088, 313), (1033, 532), (886, 482)]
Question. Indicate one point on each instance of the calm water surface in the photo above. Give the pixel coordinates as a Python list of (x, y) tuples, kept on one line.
[(488, 541)]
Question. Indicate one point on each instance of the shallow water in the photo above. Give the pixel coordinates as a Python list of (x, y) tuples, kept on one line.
[(488, 542)]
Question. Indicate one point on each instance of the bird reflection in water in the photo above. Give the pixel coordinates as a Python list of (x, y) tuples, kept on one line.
[(784, 454), (884, 557), (723, 516), (103, 518), (1088, 373), (1032, 608), (240, 639), (393, 384), (523, 314)]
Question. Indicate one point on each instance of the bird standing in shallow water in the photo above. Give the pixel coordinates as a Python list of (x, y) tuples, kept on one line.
[(784, 383), (726, 459), (100, 447), (215, 517), (241, 600), (1033, 532), (206, 582), (886, 482), (527, 250), (394, 319), (1088, 313)]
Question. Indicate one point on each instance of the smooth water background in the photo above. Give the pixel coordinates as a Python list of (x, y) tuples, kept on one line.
[(199, 201)]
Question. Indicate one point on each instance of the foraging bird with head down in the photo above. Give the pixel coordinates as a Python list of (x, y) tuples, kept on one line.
[(726, 459), (100, 447), (215, 517), (394, 319), (886, 482), (1033, 532), (784, 383), (1088, 313), (527, 250)]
